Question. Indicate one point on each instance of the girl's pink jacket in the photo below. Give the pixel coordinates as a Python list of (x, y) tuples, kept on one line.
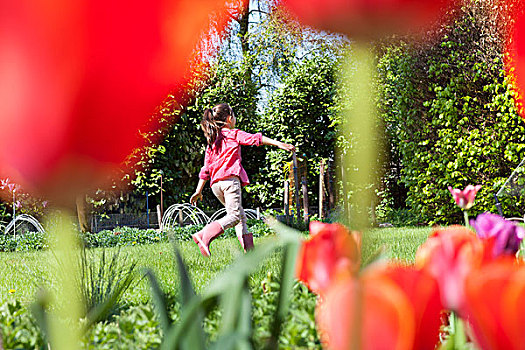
[(223, 158)]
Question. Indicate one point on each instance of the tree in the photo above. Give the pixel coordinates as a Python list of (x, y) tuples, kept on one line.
[(301, 112)]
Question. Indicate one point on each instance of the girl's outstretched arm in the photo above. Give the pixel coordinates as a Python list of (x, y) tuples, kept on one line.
[(198, 192), (271, 142)]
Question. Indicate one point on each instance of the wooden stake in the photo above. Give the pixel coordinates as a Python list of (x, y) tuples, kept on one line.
[(181, 221), (159, 217), (287, 201), (296, 189), (330, 187), (321, 189), (305, 201)]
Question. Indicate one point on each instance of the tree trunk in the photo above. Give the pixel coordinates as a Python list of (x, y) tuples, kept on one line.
[(244, 26), (83, 214)]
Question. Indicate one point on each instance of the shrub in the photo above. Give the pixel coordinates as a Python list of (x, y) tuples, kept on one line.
[(121, 236), (135, 328), (18, 327)]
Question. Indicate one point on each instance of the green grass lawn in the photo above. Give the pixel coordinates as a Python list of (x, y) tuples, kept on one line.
[(136, 324), (24, 271), (398, 243)]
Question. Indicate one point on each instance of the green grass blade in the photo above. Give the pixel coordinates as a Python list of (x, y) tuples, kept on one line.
[(38, 309), (230, 306), (173, 338), (159, 299), (231, 340), (283, 303), (291, 238), (195, 338), (243, 266), (244, 326), (187, 290)]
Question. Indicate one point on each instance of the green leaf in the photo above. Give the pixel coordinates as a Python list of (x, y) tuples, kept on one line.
[(159, 299)]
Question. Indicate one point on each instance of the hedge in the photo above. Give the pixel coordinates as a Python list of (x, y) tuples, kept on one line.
[(450, 116)]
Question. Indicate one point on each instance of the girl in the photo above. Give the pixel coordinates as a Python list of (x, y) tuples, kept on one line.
[(222, 166)]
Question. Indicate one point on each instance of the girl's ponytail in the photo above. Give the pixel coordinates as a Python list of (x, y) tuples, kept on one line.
[(214, 120)]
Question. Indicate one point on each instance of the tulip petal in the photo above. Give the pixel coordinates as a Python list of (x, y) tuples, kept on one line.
[(331, 253), (449, 255), (365, 19), (490, 294), (373, 315), (80, 80), (422, 291)]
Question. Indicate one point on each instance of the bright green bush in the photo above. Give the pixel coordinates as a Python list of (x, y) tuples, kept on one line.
[(449, 113), (22, 243), (18, 327), (136, 328)]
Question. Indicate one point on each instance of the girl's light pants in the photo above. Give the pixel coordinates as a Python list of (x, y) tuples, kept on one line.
[(228, 191)]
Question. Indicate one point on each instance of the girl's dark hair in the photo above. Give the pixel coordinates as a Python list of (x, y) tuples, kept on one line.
[(213, 120)]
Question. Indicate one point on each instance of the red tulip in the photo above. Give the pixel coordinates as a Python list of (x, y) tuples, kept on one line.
[(422, 291), (449, 255), (364, 19), (81, 78), (387, 308), (365, 316), (494, 297), (330, 254)]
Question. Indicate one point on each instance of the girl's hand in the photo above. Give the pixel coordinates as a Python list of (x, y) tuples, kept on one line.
[(195, 197), (287, 147)]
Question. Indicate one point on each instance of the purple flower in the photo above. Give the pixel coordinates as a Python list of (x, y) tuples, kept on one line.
[(505, 234)]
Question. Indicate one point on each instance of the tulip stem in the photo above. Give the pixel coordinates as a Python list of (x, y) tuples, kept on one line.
[(465, 214), (457, 339), (459, 332), (65, 335)]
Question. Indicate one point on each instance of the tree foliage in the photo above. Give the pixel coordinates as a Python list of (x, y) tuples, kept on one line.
[(300, 112), (450, 115), (181, 154)]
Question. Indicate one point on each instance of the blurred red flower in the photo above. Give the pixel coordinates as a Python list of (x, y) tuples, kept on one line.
[(80, 78), (388, 307), (366, 19), (356, 315), (515, 51), (493, 297), (422, 291), (331, 253), (450, 254)]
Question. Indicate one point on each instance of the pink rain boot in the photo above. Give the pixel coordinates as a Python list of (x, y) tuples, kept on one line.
[(204, 237), (246, 241)]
